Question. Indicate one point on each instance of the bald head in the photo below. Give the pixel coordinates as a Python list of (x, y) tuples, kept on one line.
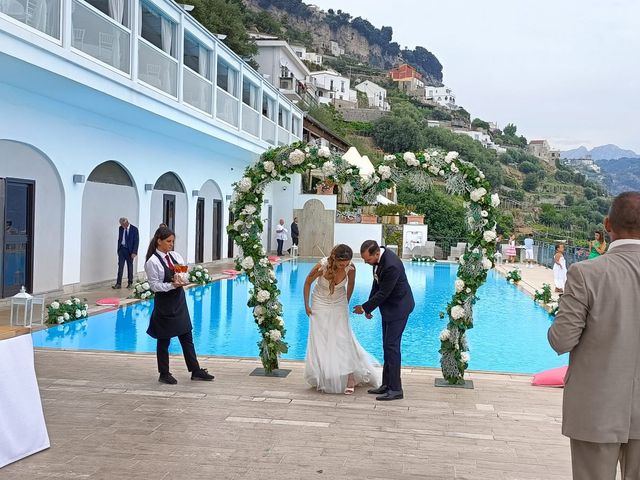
[(624, 216)]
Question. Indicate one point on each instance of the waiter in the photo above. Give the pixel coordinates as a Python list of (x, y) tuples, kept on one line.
[(170, 316)]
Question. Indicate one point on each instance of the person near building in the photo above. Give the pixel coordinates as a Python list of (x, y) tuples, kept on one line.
[(128, 241)]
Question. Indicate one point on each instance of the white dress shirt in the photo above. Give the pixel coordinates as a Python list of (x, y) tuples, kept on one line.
[(281, 232), (125, 234), (154, 269)]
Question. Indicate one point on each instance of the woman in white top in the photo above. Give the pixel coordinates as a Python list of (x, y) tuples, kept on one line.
[(335, 362), (170, 316), (559, 268)]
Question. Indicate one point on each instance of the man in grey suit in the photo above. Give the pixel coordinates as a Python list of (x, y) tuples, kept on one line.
[(599, 323)]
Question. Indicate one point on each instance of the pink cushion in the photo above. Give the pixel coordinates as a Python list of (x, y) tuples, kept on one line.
[(550, 378), (230, 271), (274, 258), (108, 301)]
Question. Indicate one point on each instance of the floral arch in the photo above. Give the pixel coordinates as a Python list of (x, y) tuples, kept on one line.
[(461, 178)]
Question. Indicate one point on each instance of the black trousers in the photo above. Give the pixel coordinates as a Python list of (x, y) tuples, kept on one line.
[(391, 340), (188, 350), (294, 240), (124, 257), (280, 245)]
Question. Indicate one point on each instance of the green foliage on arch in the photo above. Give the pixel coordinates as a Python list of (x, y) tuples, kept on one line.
[(460, 177)]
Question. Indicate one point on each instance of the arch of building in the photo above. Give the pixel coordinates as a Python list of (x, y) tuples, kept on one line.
[(210, 217), (170, 205), (109, 194), (26, 162)]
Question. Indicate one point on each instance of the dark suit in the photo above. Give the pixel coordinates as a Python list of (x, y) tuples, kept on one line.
[(392, 294), (295, 233), (130, 247)]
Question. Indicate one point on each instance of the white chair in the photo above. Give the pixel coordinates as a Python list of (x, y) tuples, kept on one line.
[(78, 38), (105, 47), (294, 251), (499, 258), (37, 301), (32, 6)]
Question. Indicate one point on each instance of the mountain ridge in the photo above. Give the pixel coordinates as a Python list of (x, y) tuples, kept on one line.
[(602, 152)]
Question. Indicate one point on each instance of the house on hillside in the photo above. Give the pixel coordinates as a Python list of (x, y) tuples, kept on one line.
[(542, 150), (409, 80), (335, 49), (331, 86), (311, 57), (376, 95), (283, 68), (443, 96)]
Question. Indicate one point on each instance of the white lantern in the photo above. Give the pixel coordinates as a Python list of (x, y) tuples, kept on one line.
[(22, 298)]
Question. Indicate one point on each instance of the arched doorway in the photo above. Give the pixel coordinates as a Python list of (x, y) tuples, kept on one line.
[(209, 223), (169, 206), (32, 216), (109, 194)]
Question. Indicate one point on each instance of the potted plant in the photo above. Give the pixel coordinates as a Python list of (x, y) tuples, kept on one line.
[(346, 215), (325, 187)]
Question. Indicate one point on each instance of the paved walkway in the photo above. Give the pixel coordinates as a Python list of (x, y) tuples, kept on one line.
[(109, 418), (532, 278)]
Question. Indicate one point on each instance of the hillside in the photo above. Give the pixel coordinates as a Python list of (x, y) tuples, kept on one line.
[(621, 175), (360, 39)]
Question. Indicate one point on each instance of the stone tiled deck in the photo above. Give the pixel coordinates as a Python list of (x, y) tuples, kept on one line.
[(109, 418)]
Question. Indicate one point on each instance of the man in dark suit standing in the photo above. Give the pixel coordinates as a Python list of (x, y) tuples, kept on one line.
[(128, 240), (295, 233), (392, 294)]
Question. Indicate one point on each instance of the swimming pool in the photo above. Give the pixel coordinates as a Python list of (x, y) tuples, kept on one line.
[(510, 333)]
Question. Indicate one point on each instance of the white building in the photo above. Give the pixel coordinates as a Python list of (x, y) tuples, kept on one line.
[(376, 95), (336, 50), (131, 109), (283, 68), (442, 95), (311, 57), (331, 85)]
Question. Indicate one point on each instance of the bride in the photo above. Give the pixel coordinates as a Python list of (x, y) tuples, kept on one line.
[(335, 361)]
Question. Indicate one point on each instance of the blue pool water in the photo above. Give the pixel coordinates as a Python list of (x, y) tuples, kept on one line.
[(510, 333)]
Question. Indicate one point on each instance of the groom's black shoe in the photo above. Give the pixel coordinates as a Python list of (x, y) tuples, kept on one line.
[(380, 390), (391, 395)]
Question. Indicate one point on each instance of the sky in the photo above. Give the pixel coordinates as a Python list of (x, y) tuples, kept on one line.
[(564, 70)]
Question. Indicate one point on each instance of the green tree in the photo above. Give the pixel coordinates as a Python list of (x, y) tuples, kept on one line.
[(528, 167), (569, 200), (444, 213), (530, 182), (510, 130), (477, 123), (226, 17), (590, 193), (398, 134)]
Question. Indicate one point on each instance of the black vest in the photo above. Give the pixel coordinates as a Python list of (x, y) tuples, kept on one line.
[(170, 316)]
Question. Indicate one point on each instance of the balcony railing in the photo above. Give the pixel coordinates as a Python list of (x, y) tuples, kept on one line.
[(156, 68), (39, 14), (283, 136), (95, 34), (268, 131), (227, 107), (197, 90), (250, 120), (287, 83)]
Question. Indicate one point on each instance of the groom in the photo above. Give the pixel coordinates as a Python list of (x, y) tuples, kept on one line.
[(392, 293)]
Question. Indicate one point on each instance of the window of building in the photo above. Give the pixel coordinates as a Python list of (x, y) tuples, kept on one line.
[(158, 30), (342, 87), (116, 9), (268, 107), (250, 93), (283, 117), (227, 78), (197, 56)]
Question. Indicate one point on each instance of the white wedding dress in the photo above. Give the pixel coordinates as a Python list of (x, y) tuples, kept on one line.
[(332, 350)]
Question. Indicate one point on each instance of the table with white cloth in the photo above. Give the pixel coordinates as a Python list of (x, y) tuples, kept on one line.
[(23, 431)]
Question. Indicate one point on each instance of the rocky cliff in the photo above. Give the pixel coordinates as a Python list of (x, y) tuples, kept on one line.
[(359, 38)]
